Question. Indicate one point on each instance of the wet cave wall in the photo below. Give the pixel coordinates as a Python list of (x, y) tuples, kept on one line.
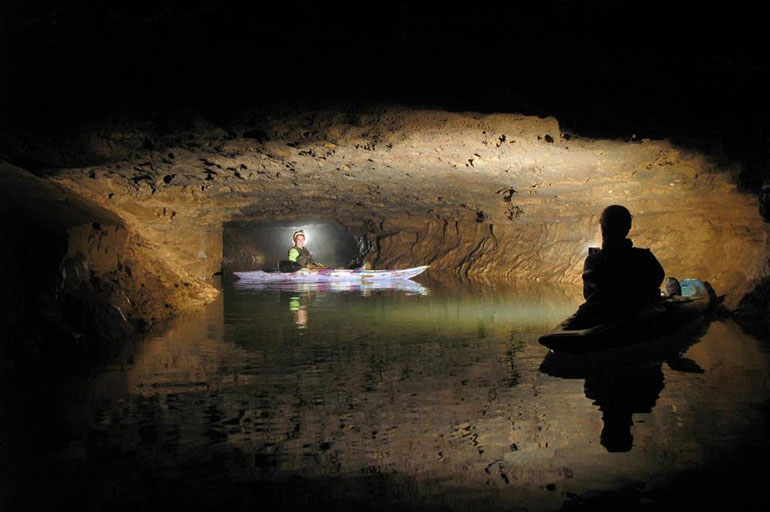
[(485, 145)]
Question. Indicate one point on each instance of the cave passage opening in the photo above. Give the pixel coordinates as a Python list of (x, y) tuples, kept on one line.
[(260, 245)]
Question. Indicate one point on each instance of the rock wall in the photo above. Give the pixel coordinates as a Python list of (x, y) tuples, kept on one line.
[(74, 276), (502, 196), (499, 196)]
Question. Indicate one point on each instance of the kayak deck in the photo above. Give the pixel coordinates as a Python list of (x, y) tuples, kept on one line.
[(581, 365), (662, 320), (329, 275)]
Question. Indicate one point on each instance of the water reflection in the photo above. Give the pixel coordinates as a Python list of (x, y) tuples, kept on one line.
[(383, 400), (299, 310), (299, 295), (619, 396), (627, 380)]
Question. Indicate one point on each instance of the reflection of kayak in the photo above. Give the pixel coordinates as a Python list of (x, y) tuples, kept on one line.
[(570, 365), (329, 275), (405, 285), (663, 320)]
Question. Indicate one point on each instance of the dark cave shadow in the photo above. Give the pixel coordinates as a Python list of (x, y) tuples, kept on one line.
[(626, 380)]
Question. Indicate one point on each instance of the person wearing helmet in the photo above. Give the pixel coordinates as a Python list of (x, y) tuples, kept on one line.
[(618, 279), (299, 254)]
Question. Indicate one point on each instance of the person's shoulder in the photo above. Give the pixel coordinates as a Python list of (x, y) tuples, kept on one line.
[(643, 253)]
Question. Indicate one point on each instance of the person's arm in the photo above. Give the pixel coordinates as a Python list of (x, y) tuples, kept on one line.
[(656, 271), (312, 261), (590, 278), (293, 254), (660, 272)]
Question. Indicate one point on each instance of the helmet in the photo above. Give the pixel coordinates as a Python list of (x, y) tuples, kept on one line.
[(298, 233)]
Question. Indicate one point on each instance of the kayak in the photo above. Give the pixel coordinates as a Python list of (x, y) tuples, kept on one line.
[(665, 319), (401, 285), (329, 275), (584, 365)]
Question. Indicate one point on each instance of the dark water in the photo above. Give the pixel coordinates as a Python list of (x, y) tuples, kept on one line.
[(423, 398)]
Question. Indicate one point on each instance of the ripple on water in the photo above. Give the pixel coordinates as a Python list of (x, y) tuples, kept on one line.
[(433, 399)]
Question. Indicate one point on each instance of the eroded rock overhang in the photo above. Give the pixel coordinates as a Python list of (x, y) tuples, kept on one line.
[(500, 196)]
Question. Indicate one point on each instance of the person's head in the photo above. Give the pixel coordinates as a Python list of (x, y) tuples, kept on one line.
[(615, 222), (299, 238)]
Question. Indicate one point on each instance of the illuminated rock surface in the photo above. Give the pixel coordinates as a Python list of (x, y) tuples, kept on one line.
[(501, 196), (487, 196)]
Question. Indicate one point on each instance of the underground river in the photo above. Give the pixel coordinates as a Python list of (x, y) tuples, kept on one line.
[(427, 396)]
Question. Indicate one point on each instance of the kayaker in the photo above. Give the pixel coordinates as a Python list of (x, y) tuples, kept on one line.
[(619, 279), (299, 254)]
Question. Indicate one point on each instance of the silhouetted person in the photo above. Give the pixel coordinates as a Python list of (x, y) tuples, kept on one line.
[(363, 250), (619, 279)]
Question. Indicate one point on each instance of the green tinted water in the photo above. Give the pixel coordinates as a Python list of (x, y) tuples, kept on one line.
[(432, 397)]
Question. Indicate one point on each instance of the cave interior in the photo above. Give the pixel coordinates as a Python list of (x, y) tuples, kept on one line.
[(147, 149)]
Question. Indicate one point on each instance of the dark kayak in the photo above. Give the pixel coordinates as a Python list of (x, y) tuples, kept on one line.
[(665, 319), (628, 358)]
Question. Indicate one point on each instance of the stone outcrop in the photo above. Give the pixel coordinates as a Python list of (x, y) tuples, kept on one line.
[(74, 276)]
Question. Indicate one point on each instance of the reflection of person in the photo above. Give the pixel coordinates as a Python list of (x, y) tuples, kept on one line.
[(299, 254), (620, 395), (300, 311), (619, 279)]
